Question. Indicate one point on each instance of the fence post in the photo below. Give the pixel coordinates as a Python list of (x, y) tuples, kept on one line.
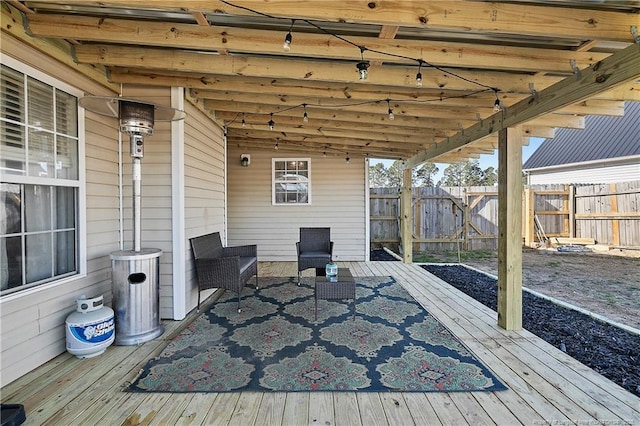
[(572, 211), (406, 207), (466, 217), (529, 224), (615, 223)]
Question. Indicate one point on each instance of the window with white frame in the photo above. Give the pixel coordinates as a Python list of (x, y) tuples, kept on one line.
[(291, 181), (39, 179)]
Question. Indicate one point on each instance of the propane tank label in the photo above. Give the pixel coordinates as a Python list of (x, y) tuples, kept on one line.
[(94, 333)]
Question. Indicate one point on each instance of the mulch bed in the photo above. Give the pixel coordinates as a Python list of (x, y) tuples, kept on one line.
[(382, 255), (607, 349)]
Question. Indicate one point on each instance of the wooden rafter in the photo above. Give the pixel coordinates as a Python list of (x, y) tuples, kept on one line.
[(617, 69)]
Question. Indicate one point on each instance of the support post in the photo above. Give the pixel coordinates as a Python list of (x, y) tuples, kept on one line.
[(510, 228), (407, 217)]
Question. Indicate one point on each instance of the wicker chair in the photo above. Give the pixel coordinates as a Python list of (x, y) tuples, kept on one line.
[(315, 249), (223, 267)]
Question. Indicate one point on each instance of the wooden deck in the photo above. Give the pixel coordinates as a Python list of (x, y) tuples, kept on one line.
[(546, 386)]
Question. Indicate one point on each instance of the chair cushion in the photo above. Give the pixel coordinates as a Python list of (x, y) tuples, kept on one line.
[(246, 262), (315, 255)]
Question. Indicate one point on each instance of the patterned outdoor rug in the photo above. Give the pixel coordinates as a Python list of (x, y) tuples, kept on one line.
[(276, 345)]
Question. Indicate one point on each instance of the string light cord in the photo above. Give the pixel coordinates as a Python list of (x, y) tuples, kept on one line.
[(369, 102), (421, 62)]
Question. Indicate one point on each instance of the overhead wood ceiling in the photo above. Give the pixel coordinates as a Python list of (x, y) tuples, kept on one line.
[(230, 57)]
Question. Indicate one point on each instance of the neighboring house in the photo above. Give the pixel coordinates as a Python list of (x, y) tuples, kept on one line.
[(76, 201), (607, 150)]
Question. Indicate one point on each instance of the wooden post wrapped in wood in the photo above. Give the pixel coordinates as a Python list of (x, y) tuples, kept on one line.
[(510, 224)]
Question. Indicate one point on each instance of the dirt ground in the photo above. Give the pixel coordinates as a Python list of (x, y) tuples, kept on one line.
[(604, 283)]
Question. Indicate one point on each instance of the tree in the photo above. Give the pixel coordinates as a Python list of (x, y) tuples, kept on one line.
[(377, 176), (468, 173), (394, 175), (381, 177), (424, 176)]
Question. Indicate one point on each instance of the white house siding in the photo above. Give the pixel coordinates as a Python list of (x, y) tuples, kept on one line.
[(338, 194), (204, 185), (592, 173), (32, 323)]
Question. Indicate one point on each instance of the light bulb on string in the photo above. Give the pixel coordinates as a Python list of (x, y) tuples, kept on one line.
[(497, 105), (362, 66), (271, 122), (286, 46), (419, 75), (390, 111), (324, 154), (305, 116), (276, 147), (244, 123), (346, 160)]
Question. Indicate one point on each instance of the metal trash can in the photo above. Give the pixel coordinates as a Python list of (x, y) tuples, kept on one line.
[(136, 295)]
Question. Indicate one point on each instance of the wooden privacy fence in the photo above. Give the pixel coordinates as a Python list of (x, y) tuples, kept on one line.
[(448, 218)]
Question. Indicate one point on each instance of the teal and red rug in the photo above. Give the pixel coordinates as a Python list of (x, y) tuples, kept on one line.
[(275, 344)]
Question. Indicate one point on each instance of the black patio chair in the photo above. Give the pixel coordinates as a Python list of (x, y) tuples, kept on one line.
[(315, 249), (223, 267)]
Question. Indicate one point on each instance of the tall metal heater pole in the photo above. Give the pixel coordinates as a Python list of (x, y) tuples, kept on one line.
[(137, 173)]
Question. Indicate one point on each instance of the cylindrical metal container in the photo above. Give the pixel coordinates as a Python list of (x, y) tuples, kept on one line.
[(136, 295), (89, 330)]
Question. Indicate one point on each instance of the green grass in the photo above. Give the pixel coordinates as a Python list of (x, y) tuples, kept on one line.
[(554, 264)]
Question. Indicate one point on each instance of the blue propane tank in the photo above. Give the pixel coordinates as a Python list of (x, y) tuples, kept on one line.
[(91, 329)]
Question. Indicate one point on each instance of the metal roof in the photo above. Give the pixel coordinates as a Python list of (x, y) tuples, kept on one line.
[(603, 138)]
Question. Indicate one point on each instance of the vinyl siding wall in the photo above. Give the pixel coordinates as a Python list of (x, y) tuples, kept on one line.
[(338, 196), (32, 329), (204, 186), (609, 172)]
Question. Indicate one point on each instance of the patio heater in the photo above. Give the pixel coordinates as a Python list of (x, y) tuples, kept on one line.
[(135, 273)]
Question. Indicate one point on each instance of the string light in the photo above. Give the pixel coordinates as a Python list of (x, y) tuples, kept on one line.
[(497, 105), (276, 147), (324, 154), (346, 160), (286, 46), (419, 74), (244, 123), (272, 123), (363, 66)]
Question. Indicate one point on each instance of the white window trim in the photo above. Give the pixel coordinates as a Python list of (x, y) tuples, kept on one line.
[(273, 180), (82, 191)]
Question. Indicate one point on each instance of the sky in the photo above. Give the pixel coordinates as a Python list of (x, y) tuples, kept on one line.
[(485, 160)]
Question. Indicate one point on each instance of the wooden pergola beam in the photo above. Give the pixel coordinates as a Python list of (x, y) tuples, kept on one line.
[(201, 36), (153, 58), (489, 17), (619, 68), (208, 81)]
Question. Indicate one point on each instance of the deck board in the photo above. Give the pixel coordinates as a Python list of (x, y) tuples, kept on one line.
[(545, 384)]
